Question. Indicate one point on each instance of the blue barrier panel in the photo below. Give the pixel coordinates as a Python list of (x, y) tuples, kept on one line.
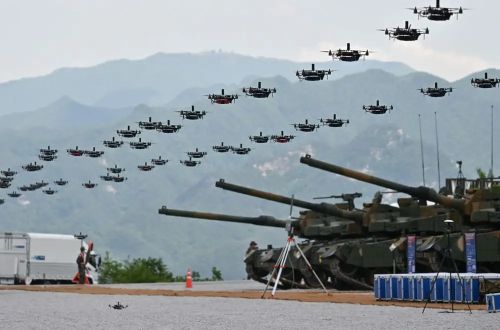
[(472, 290), (458, 290), (420, 295), (387, 281), (437, 289), (394, 287), (414, 288), (446, 289), (406, 280), (493, 302), (426, 287)]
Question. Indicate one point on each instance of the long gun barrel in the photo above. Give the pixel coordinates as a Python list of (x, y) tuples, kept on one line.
[(423, 193), (262, 220), (324, 208)]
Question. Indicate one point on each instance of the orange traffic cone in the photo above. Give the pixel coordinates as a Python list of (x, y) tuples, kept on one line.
[(189, 279)]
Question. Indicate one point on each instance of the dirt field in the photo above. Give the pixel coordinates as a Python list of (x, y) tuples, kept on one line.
[(361, 298)]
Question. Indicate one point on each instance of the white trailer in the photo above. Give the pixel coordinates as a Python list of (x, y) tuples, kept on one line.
[(42, 258)]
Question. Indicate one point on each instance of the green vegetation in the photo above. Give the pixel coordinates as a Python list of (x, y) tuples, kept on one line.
[(144, 270)]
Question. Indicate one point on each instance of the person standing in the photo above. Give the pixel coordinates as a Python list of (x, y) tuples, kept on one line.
[(81, 266)]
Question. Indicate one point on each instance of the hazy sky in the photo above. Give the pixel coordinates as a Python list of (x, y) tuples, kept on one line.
[(38, 36)]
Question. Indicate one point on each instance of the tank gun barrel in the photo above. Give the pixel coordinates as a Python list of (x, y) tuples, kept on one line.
[(324, 208), (262, 220), (421, 192)]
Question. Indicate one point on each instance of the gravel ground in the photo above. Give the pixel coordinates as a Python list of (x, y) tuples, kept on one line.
[(44, 310)]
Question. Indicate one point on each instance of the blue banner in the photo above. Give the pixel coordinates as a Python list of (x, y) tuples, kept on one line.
[(410, 253), (470, 252)]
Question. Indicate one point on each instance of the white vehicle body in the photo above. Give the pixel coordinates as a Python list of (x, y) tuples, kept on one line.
[(41, 258)]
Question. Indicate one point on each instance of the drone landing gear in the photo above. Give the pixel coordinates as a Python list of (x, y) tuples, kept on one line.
[(281, 263)]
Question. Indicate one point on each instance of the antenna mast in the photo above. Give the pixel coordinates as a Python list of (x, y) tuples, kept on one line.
[(421, 149), (437, 150)]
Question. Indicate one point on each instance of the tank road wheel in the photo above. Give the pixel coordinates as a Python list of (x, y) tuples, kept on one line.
[(346, 277), (311, 280)]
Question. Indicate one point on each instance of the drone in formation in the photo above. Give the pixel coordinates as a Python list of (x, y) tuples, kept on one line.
[(259, 92), (113, 143), (222, 98), (334, 122), (48, 154), (348, 54), (436, 91), (485, 82), (32, 167), (140, 145), (128, 133), (168, 128), (377, 108), (313, 74), (222, 148), (259, 138), (190, 163), (149, 125), (159, 161), (196, 154), (240, 150), (282, 138), (89, 185), (93, 153), (437, 13), (405, 33), (305, 127), (145, 167), (192, 114), (115, 169)]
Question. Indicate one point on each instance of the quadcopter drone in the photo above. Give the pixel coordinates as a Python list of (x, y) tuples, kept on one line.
[(89, 185), (190, 162), (485, 82), (118, 306), (32, 167), (48, 151), (305, 127), (282, 138), (168, 128), (128, 133), (118, 178), (436, 91), (115, 170), (334, 122), (259, 92), (107, 177), (93, 153), (347, 55), (196, 153), (139, 144), (159, 161), (406, 33), (145, 167), (377, 109), (49, 191), (221, 148), (437, 13), (47, 158), (113, 144), (4, 184), (14, 194), (8, 172), (75, 152), (222, 98), (313, 74), (240, 150), (149, 125), (61, 182), (259, 138), (192, 114)]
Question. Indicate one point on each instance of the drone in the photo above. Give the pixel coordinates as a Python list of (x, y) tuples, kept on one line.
[(32, 167), (118, 178), (159, 161), (485, 82), (282, 138), (305, 127), (334, 122), (259, 92), (192, 114), (14, 194), (6, 179), (115, 170), (406, 33), (49, 191), (47, 157), (196, 153), (25, 188), (347, 55), (145, 167), (149, 125), (107, 177), (8, 172), (127, 133), (113, 144), (240, 150), (221, 148), (190, 162), (168, 128), (222, 98), (4, 184), (436, 91), (140, 145), (61, 182), (313, 74), (89, 185), (94, 153), (75, 152), (259, 138), (48, 151), (118, 306), (377, 109), (437, 13)]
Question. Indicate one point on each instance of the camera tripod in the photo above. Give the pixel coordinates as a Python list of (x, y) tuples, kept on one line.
[(281, 263), (447, 256)]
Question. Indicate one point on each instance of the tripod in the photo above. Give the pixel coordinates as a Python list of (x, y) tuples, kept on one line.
[(281, 262), (447, 256)]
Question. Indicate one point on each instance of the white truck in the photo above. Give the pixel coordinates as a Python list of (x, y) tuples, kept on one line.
[(30, 258)]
